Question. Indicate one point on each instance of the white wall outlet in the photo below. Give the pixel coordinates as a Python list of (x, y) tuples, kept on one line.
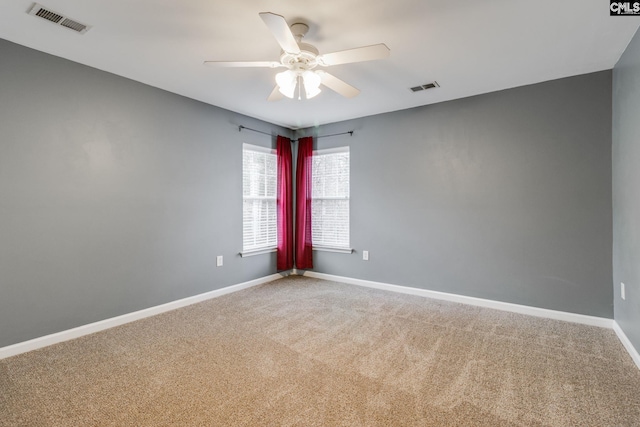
[(365, 255), (219, 261), (622, 292)]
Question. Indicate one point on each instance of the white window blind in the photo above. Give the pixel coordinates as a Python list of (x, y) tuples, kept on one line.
[(330, 198), (259, 177)]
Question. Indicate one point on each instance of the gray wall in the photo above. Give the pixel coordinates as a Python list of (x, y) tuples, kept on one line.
[(505, 196), (626, 190), (114, 196)]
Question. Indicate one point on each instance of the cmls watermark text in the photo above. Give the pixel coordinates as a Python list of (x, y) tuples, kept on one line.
[(620, 8)]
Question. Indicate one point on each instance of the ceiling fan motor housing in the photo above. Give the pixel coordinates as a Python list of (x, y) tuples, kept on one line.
[(305, 59)]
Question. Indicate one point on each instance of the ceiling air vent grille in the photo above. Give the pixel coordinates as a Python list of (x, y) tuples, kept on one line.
[(56, 18), (424, 87)]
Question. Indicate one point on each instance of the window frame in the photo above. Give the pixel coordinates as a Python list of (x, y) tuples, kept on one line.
[(334, 248), (270, 246)]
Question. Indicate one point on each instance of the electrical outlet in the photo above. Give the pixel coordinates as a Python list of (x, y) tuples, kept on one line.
[(365, 255), (622, 292), (219, 261)]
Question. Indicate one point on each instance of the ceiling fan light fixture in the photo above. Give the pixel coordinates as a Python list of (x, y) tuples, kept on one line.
[(301, 58), (311, 83), (287, 81)]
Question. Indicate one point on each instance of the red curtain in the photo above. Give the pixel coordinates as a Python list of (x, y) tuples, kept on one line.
[(303, 204), (285, 205)]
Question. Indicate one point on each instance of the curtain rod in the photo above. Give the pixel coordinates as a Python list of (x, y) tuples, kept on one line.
[(295, 140)]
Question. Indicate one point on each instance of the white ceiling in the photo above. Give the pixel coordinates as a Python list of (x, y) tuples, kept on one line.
[(469, 46)]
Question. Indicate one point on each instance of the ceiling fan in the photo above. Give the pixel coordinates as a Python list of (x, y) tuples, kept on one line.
[(301, 59)]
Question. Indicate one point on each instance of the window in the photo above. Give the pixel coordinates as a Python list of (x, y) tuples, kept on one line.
[(259, 177), (330, 198)]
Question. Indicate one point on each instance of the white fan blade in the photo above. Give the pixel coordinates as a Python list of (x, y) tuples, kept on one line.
[(276, 95), (337, 85), (243, 64), (280, 30), (359, 54)]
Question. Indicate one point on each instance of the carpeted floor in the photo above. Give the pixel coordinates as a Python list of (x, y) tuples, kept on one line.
[(307, 352)]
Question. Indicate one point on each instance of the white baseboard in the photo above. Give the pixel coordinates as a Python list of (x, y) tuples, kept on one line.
[(498, 305), (101, 325), (627, 344), (90, 328)]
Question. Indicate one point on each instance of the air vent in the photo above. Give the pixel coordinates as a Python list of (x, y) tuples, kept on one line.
[(424, 87), (57, 18)]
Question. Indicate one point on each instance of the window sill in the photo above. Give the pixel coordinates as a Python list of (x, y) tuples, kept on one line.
[(253, 252), (330, 249)]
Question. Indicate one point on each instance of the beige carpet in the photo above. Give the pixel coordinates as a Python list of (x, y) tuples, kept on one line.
[(306, 352)]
